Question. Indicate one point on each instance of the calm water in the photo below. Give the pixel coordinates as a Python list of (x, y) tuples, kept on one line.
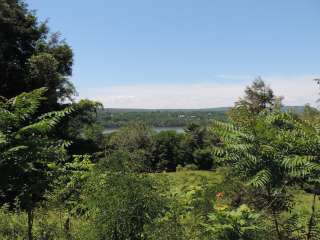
[(157, 129)]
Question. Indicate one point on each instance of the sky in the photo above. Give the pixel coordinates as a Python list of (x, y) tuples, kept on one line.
[(188, 53)]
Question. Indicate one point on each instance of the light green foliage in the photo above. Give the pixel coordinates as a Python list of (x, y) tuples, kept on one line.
[(240, 224), (136, 135), (311, 114), (122, 204), (69, 185), (193, 194), (135, 141), (47, 225), (13, 226)]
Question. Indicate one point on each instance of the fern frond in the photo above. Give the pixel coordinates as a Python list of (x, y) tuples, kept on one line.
[(261, 179)]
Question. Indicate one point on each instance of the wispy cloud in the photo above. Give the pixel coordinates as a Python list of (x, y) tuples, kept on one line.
[(296, 90)]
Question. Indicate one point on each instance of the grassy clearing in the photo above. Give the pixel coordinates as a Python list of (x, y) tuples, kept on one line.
[(184, 179)]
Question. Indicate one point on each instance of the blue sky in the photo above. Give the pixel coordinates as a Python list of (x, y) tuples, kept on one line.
[(188, 53)]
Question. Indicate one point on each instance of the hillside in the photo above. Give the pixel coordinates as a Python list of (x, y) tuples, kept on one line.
[(117, 117)]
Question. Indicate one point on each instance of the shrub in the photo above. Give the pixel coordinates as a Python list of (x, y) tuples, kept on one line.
[(122, 204), (242, 223), (190, 167)]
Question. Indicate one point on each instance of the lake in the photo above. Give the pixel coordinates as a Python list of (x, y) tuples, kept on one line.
[(157, 129)]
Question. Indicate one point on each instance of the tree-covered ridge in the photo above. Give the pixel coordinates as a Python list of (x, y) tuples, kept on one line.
[(114, 118)]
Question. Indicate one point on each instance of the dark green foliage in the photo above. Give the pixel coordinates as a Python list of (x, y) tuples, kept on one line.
[(167, 150), (203, 158), (162, 151), (196, 143), (81, 128), (29, 58), (27, 152)]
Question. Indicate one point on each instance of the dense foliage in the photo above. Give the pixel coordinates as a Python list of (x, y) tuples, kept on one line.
[(30, 58), (255, 175)]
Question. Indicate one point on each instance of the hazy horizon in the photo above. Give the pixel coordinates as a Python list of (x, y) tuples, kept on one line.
[(186, 53)]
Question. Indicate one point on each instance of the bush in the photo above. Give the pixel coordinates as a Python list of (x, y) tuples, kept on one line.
[(190, 167), (242, 223), (122, 204), (203, 158)]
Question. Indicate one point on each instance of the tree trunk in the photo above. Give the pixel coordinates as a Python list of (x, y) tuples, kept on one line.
[(30, 223), (311, 220), (274, 215), (67, 226), (276, 224)]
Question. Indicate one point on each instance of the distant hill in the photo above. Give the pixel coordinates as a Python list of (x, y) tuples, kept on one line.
[(296, 109), (126, 110), (117, 117)]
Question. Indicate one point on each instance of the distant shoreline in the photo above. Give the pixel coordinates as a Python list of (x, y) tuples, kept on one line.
[(157, 129)]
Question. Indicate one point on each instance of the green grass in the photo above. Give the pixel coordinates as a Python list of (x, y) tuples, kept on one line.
[(184, 179), (303, 202)]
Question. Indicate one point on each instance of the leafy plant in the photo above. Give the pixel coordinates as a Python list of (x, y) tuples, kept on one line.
[(239, 224), (28, 152), (122, 204)]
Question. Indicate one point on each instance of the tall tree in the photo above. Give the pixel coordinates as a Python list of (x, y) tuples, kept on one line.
[(167, 150), (30, 58), (257, 98)]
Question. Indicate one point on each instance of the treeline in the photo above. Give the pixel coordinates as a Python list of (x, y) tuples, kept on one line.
[(111, 118), (115, 118), (164, 151)]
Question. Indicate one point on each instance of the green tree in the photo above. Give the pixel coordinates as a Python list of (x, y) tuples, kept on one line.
[(194, 139), (28, 154), (196, 146), (258, 97), (82, 129), (167, 150), (30, 58), (136, 141)]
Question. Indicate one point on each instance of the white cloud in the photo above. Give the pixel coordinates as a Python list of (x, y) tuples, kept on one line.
[(297, 90)]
